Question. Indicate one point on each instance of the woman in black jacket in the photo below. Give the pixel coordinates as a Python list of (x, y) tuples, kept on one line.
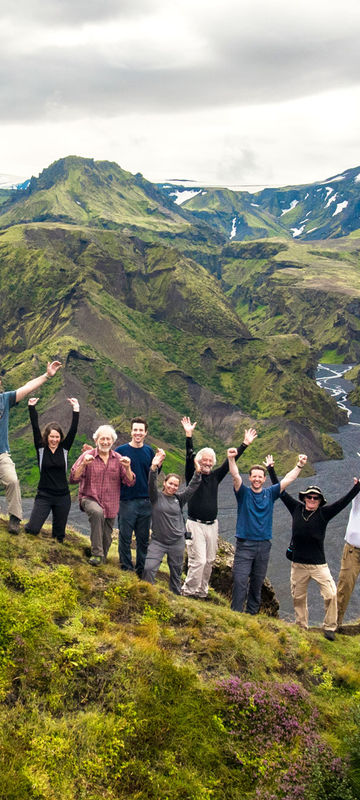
[(311, 514), (53, 490)]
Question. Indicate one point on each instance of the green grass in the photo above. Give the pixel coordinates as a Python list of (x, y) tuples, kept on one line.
[(113, 688)]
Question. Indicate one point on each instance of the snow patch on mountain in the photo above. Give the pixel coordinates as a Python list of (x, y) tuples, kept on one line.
[(233, 229), (182, 195), (328, 190), (331, 200), (297, 231), (340, 207), (357, 179)]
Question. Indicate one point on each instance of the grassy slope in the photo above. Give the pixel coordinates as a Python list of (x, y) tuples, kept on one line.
[(312, 289), (85, 192), (110, 688), (219, 206)]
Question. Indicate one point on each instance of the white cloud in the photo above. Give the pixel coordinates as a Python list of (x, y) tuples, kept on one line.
[(192, 90)]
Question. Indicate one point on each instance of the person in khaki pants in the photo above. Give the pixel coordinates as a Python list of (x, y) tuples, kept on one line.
[(350, 561), (8, 476), (311, 514)]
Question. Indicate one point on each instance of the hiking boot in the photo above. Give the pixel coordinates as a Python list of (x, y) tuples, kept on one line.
[(329, 635), (95, 561), (14, 524)]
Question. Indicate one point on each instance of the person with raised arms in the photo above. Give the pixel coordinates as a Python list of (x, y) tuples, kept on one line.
[(100, 473), (202, 522), (254, 530), (8, 476), (52, 449), (310, 517), (168, 525)]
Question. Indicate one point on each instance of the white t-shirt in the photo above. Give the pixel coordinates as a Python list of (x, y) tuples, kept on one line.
[(352, 535)]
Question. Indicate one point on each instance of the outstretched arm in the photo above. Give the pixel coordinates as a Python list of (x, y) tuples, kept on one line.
[(185, 494), (70, 436), (249, 436), (35, 422), (233, 469), (330, 510), (31, 386), (294, 473), (153, 473), (288, 501), (190, 452)]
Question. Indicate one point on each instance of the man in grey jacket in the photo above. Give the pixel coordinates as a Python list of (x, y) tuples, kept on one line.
[(168, 526)]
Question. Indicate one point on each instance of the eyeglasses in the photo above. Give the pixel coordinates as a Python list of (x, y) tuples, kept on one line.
[(313, 497)]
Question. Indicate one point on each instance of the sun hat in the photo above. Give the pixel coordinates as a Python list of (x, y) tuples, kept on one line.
[(312, 490)]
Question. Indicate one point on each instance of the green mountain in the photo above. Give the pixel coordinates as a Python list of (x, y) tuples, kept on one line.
[(291, 287), (322, 210), (91, 276)]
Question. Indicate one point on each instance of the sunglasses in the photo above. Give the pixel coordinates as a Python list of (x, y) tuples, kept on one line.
[(313, 497)]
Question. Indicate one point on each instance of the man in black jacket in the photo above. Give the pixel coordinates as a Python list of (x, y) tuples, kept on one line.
[(202, 521)]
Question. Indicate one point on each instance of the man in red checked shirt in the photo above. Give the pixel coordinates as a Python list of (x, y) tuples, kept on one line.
[(100, 473)]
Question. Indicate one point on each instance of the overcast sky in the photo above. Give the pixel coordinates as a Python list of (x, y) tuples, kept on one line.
[(234, 92)]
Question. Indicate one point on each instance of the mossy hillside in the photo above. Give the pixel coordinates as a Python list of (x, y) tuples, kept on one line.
[(82, 191), (301, 288), (105, 306), (113, 688), (219, 207)]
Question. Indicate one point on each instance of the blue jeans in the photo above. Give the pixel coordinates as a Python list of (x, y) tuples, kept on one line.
[(134, 515), (249, 571)]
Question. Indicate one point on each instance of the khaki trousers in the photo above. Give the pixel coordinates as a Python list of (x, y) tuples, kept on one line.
[(9, 479), (349, 572), (201, 550), (101, 527), (301, 574)]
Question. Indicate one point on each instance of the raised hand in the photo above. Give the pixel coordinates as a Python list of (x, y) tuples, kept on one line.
[(158, 458), (249, 436), (32, 401), (269, 461), (302, 460), (88, 457), (231, 452), (52, 368), (188, 425), (74, 403), (86, 447)]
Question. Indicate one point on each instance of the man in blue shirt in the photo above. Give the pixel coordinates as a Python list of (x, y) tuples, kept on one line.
[(8, 476), (135, 506), (254, 530)]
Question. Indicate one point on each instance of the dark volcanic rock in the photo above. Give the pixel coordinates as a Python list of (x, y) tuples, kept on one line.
[(221, 580)]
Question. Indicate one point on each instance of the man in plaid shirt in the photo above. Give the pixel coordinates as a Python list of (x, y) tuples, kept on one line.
[(100, 473)]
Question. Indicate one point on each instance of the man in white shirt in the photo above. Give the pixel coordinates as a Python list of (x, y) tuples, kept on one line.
[(350, 561)]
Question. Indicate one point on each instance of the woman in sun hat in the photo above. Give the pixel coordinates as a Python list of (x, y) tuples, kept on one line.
[(311, 514)]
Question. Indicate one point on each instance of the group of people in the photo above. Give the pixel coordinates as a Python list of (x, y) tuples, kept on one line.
[(122, 483)]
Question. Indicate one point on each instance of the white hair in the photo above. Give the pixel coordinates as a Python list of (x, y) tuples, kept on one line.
[(206, 451), (105, 430)]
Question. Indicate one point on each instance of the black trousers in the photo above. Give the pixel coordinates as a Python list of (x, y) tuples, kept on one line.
[(43, 505)]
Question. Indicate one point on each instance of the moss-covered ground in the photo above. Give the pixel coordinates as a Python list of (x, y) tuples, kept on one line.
[(112, 688)]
